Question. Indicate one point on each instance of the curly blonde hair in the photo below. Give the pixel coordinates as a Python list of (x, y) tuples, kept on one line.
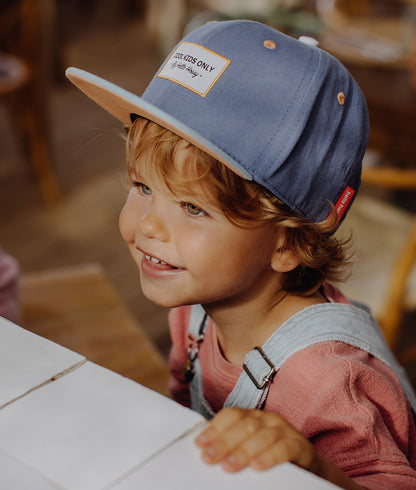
[(245, 203)]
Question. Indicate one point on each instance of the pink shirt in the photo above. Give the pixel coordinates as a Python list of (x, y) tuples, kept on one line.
[(347, 403)]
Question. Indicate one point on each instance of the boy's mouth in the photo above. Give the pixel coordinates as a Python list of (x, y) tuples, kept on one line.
[(156, 261)]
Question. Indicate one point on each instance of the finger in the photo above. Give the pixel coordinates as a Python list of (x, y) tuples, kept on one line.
[(297, 450), (253, 446), (231, 438), (224, 419)]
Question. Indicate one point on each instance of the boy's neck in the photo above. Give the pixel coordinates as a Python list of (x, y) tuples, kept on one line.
[(242, 327)]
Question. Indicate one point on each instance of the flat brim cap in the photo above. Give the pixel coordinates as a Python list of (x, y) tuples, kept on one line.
[(276, 110)]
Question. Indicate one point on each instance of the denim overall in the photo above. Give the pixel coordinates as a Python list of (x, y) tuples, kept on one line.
[(353, 325)]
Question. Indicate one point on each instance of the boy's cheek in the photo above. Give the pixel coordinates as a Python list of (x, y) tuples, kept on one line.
[(127, 221), (123, 227)]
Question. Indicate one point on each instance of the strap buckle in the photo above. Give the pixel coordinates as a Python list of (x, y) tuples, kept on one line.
[(267, 377)]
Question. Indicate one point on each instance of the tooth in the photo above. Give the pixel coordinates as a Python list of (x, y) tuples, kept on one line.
[(163, 263), (156, 261), (147, 257)]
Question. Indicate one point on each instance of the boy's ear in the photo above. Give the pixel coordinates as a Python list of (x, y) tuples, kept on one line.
[(284, 260)]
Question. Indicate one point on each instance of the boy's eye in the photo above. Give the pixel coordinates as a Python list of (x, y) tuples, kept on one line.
[(143, 189), (193, 210)]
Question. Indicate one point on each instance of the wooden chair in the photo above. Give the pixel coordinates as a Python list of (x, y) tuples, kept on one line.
[(25, 70), (394, 307), (385, 276)]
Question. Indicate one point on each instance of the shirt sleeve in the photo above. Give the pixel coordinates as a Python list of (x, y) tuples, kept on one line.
[(178, 326), (351, 406)]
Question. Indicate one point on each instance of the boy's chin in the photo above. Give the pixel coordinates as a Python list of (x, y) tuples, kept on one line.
[(163, 300)]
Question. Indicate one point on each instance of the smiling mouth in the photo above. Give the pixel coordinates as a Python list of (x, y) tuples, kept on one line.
[(156, 261)]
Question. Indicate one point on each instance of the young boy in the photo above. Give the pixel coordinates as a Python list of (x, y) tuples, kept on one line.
[(244, 155)]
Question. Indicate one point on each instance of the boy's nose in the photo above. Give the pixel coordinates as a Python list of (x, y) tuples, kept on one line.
[(153, 224)]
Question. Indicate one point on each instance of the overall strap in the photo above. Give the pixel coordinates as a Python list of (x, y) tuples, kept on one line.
[(196, 319), (353, 325), (196, 330)]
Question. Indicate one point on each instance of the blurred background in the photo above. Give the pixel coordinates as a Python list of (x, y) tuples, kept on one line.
[(62, 161)]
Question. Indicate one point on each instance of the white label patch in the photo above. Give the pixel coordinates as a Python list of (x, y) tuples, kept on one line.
[(194, 67)]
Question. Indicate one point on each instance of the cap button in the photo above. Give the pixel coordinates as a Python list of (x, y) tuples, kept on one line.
[(341, 98), (269, 44)]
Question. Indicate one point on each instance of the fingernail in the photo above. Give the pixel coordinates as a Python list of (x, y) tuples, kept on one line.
[(211, 451), (209, 454), (231, 464), (203, 439)]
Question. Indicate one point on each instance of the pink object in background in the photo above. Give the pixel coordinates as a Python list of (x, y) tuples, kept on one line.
[(9, 292)]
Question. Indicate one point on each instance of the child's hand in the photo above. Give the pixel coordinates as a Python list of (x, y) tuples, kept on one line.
[(238, 438)]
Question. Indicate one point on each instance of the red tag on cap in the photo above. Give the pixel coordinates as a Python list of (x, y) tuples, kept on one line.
[(342, 204)]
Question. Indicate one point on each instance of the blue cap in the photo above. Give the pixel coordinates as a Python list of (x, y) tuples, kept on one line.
[(275, 110)]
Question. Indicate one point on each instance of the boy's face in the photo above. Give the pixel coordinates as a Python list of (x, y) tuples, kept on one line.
[(187, 251)]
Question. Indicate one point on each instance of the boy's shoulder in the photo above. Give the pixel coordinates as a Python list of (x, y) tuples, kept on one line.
[(332, 360)]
